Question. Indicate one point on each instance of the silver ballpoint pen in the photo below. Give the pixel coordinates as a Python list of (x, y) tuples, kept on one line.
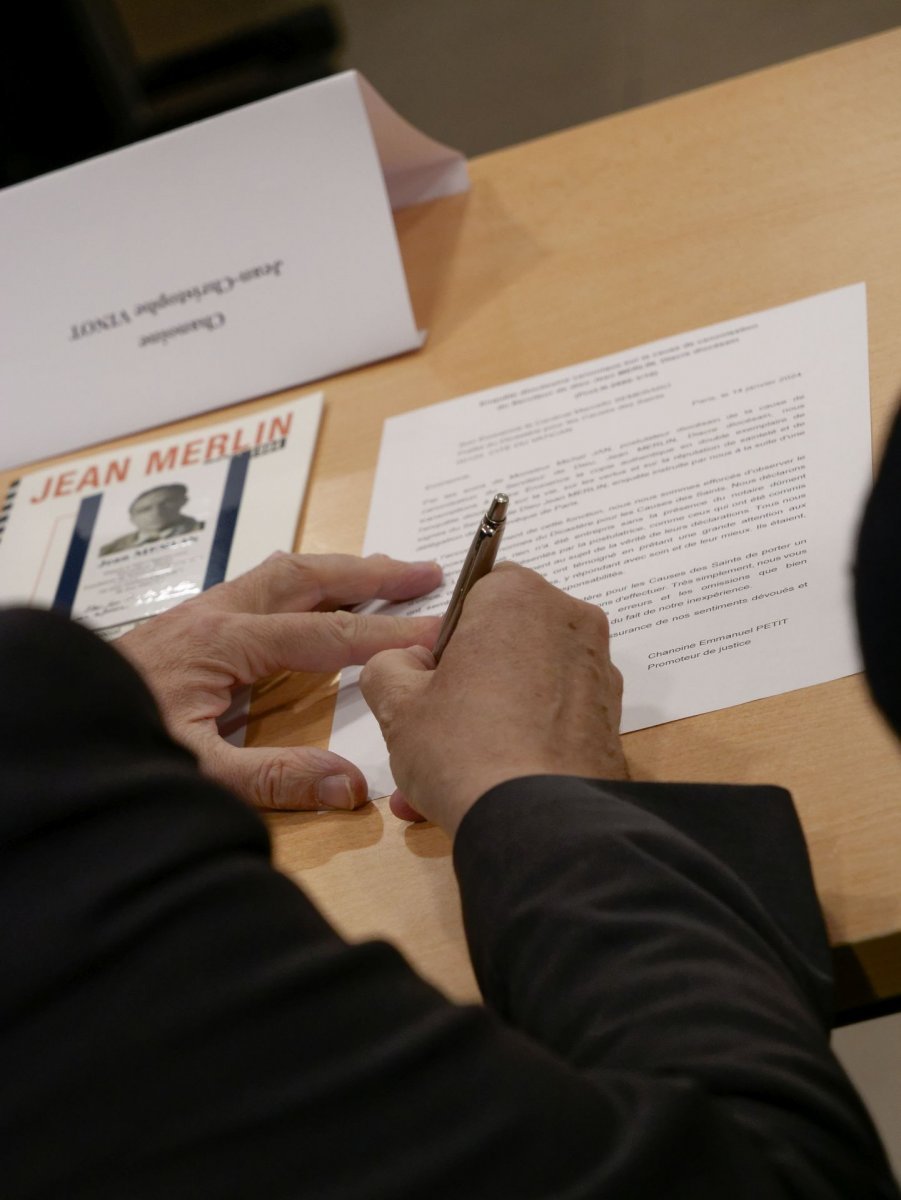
[(478, 562)]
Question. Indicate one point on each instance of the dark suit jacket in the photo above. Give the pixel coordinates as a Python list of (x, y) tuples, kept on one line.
[(878, 582), (177, 1020)]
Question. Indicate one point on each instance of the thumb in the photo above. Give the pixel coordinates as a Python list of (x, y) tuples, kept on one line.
[(402, 808), (287, 777), (392, 679)]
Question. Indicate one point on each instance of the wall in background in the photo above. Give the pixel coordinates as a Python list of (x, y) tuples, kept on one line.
[(480, 74)]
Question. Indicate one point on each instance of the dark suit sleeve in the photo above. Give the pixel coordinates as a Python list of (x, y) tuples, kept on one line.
[(176, 1019), (877, 578), (680, 924)]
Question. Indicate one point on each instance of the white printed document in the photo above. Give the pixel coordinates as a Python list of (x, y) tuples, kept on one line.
[(236, 257), (705, 490)]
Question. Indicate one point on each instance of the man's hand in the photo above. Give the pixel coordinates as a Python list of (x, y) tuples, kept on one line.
[(279, 617), (525, 687)]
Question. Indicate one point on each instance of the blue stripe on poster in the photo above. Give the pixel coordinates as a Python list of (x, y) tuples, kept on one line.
[(228, 517), (78, 549)]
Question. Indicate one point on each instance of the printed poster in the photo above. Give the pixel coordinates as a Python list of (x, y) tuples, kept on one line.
[(115, 538)]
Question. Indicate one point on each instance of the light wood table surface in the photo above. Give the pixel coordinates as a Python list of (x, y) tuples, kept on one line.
[(721, 202)]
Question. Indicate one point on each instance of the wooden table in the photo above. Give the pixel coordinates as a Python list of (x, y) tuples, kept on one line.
[(735, 198)]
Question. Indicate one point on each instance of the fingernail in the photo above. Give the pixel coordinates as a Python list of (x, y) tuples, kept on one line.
[(335, 792)]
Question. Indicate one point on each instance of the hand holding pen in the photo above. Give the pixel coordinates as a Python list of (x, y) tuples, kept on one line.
[(528, 689)]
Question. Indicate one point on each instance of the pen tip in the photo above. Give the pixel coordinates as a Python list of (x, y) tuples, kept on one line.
[(497, 510)]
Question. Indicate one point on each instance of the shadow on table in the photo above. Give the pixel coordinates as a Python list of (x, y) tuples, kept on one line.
[(303, 840)]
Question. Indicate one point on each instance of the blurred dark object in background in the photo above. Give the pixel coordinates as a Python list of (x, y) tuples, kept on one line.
[(72, 85)]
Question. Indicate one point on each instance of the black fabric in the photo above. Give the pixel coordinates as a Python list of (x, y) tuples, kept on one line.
[(878, 582), (708, 963), (176, 1019)]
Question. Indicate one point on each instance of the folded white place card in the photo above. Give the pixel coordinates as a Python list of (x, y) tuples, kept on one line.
[(238, 256)]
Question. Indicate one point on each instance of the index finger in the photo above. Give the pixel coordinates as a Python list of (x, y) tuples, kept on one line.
[(286, 583), (263, 645)]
